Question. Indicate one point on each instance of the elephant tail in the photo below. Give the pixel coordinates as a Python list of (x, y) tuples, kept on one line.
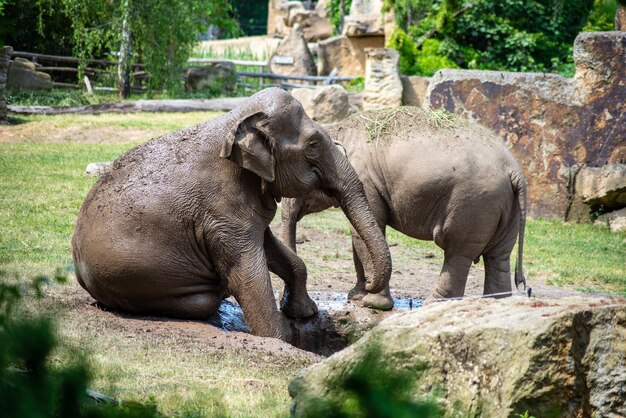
[(519, 187)]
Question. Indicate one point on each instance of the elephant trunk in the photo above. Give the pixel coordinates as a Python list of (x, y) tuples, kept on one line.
[(353, 202), (289, 221)]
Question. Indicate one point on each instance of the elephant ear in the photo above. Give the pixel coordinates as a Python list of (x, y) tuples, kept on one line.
[(249, 147)]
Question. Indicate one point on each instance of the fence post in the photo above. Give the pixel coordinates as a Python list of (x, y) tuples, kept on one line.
[(5, 57)]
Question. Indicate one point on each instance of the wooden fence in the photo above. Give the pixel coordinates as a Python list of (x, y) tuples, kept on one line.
[(102, 74)]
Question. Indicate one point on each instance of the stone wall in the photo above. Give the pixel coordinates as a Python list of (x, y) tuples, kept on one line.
[(5, 57), (553, 125)]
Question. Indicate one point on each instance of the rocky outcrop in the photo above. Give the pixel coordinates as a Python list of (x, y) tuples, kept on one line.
[(23, 74), (217, 75), (345, 54), (293, 57), (365, 19), (314, 26), (552, 124), (283, 15), (327, 104), (616, 220), (604, 185), (495, 358), (5, 57), (414, 90), (383, 87)]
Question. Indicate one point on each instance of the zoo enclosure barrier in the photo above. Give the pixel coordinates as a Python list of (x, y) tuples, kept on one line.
[(101, 75)]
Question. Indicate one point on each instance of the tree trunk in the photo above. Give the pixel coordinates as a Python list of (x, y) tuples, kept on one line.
[(123, 64), (5, 56)]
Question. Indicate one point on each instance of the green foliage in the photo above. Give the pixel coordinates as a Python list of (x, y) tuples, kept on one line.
[(511, 35), (372, 389), (425, 61), (252, 16), (29, 385), (357, 84), (162, 31), (602, 17), (335, 14)]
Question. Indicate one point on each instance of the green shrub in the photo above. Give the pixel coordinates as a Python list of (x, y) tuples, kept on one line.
[(30, 386), (505, 35)]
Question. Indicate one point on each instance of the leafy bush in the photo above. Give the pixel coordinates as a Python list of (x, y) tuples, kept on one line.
[(335, 14), (510, 35), (30, 386)]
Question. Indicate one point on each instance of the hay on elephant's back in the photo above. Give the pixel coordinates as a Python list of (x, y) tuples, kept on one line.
[(401, 122)]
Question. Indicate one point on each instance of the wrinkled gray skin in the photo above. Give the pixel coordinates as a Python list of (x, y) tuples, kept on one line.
[(182, 221), (460, 188)]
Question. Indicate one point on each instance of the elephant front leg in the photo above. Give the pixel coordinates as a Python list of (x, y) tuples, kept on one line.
[(249, 282), (362, 265), (295, 301)]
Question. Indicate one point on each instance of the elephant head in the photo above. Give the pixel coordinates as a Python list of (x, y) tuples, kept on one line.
[(294, 156)]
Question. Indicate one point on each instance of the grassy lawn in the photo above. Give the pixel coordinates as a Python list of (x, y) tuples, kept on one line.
[(41, 189)]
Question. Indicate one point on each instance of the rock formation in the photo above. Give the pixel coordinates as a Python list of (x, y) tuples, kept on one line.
[(345, 54), (553, 125), (293, 57), (23, 74), (383, 87), (495, 358), (328, 104)]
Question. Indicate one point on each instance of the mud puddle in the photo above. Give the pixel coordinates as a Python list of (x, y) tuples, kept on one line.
[(339, 322)]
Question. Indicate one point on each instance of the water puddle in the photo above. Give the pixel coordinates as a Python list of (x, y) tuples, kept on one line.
[(230, 317)]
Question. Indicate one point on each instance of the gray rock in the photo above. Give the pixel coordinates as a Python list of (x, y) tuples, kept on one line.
[(292, 57), (98, 169), (616, 220), (24, 75), (314, 26), (604, 185), (215, 75), (327, 104), (496, 358)]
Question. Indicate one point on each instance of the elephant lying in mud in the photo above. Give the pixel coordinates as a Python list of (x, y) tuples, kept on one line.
[(182, 220), (432, 176)]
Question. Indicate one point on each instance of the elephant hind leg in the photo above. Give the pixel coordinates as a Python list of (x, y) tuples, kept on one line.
[(191, 306), (453, 277), (497, 275)]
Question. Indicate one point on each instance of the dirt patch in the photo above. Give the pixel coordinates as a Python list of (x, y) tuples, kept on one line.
[(32, 132)]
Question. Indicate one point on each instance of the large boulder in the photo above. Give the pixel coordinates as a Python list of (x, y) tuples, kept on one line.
[(495, 358), (347, 55), (552, 124), (620, 18), (24, 75), (293, 57), (220, 76), (604, 185), (327, 104), (383, 88)]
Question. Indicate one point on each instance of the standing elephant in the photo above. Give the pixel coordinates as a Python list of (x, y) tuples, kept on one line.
[(183, 220), (435, 177)]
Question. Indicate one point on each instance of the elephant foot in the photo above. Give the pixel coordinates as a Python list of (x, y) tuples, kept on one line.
[(378, 301), (357, 293), (302, 307)]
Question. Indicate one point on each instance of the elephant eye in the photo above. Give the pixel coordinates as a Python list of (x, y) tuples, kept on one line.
[(313, 149)]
